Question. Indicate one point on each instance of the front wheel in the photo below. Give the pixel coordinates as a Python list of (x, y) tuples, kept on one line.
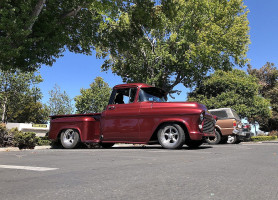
[(171, 136), (214, 140), (70, 138)]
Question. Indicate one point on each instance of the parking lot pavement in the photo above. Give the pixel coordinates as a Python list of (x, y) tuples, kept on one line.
[(243, 171)]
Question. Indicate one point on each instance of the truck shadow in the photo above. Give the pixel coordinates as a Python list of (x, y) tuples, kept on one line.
[(130, 146), (157, 147)]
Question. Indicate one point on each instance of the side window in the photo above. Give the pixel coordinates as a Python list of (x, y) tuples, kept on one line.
[(220, 114), (123, 96)]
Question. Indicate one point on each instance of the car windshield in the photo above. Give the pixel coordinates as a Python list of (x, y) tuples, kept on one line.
[(151, 94)]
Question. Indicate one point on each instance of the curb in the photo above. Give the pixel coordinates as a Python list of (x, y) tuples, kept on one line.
[(7, 149)]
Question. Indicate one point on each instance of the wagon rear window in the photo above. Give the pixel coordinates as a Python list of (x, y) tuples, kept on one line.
[(220, 114)]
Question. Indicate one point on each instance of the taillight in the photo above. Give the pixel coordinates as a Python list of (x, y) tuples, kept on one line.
[(234, 123)]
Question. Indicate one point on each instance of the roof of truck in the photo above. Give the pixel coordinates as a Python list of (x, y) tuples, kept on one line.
[(141, 85)]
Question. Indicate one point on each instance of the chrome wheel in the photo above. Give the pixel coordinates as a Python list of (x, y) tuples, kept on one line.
[(70, 138), (171, 136), (233, 139)]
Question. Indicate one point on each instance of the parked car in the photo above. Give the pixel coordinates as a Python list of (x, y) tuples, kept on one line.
[(137, 113), (228, 127)]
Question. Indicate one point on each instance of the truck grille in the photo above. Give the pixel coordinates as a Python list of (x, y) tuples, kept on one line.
[(208, 126)]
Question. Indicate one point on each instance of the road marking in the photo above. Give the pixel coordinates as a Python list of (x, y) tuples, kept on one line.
[(40, 169)]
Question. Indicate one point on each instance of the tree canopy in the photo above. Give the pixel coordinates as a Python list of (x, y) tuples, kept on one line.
[(233, 89), (20, 98), (170, 42), (267, 77), (93, 99), (36, 32), (59, 102)]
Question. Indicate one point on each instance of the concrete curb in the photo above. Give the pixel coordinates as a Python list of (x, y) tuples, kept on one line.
[(7, 149), (17, 149)]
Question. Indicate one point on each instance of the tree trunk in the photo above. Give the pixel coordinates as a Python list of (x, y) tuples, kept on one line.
[(37, 10), (4, 109)]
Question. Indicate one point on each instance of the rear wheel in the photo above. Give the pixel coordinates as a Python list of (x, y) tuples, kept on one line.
[(214, 140), (171, 136), (70, 138), (233, 139)]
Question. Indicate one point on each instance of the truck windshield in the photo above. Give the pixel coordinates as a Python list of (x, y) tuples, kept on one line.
[(151, 94)]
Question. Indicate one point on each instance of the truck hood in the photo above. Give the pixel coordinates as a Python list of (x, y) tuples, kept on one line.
[(192, 105)]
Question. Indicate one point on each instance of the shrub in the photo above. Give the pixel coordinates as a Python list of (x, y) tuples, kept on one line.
[(263, 138), (6, 137), (273, 133), (42, 141), (25, 140)]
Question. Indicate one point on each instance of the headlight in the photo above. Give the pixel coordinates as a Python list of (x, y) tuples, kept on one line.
[(201, 117)]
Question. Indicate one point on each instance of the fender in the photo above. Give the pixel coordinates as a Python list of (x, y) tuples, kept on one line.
[(171, 120)]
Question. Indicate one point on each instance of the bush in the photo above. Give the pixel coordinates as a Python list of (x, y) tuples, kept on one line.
[(43, 141), (263, 138), (25, 140), (6, 137), (273, 133)]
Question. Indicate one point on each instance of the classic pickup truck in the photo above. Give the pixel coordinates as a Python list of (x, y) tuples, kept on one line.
[(137, 113)]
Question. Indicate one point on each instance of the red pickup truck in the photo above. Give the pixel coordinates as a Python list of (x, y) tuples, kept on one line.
[(137, 113)]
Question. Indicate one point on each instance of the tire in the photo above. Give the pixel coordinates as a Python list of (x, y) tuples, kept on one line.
[(171, 136), (106, 145), (233, 139), (216, 140), (193, 143), (70, 138)]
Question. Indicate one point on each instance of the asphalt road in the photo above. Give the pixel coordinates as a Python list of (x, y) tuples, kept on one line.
[(243, 171)]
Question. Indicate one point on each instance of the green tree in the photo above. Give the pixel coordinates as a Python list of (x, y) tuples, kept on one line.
[(59, 102), (93, 99), (233, 89), (36, 32), (175, 41), (268, 79), (17, 91), (31, 112)]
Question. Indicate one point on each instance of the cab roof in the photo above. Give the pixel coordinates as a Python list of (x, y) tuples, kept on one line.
[(140, 85)]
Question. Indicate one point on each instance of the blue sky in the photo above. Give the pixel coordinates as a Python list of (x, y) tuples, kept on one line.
[(75, 71)]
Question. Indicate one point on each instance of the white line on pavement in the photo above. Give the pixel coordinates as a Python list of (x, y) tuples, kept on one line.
[(41, 169)]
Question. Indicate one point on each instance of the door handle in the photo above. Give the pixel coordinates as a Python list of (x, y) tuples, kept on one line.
[(111, 107)]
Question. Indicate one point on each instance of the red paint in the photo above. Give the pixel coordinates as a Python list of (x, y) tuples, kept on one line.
[(136, 122)]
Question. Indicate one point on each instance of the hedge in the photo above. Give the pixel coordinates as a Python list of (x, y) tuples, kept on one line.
[(263, 138)]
